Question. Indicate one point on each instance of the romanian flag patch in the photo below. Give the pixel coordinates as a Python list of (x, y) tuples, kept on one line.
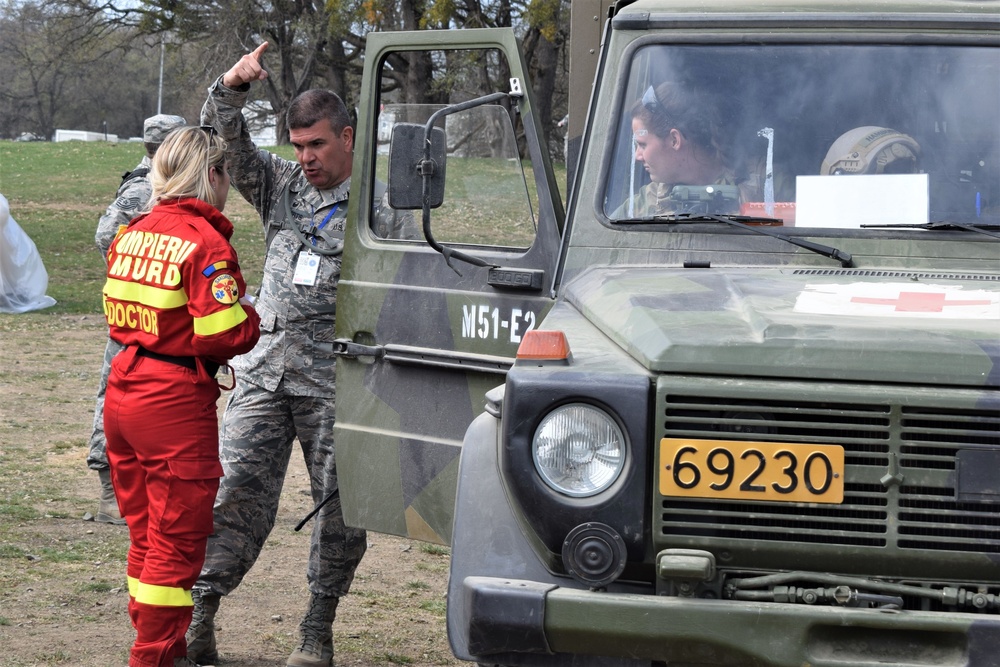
[(218, 266)]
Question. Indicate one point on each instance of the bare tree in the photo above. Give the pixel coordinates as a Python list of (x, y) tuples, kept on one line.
[(304, 50), (544, 42), (543, 32), (51, 59), (62, 58)]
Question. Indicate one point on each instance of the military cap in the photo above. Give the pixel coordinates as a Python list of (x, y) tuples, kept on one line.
[(156, 128)]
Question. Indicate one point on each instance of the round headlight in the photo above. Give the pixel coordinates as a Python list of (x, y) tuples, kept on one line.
[(578, 450)]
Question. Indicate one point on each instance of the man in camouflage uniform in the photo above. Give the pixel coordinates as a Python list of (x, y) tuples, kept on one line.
[(285, 386), (133, 195)]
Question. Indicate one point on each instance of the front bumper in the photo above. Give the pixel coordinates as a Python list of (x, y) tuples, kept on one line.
[(511, 616)]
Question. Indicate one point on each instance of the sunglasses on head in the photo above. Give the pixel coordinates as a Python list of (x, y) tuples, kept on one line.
[(210, 133), (649, 99)]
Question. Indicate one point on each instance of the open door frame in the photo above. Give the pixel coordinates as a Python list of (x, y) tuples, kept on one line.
[(417, 344)]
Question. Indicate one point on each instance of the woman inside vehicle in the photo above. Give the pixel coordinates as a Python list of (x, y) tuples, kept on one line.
[(679, 139)]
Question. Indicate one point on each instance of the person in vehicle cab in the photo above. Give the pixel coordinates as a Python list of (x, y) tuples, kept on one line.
[(285, 386), (175, 299), (679, 139)]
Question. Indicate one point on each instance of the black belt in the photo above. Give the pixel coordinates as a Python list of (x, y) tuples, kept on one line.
[(187, 362)]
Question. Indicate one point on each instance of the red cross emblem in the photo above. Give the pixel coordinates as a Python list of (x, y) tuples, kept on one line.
[(920, 302)]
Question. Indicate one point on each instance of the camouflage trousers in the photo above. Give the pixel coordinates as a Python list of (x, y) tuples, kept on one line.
[(97, 457), (255, 444)]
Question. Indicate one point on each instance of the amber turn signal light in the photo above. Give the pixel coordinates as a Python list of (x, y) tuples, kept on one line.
[(543, 345)]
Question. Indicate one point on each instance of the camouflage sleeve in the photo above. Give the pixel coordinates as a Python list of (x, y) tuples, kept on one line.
[(257, 174), (393, 224), (130, 201)]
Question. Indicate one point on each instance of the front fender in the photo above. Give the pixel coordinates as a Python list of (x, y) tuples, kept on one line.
[(487, 540)]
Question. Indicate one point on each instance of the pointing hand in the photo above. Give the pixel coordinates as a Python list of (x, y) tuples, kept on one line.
[(247, 70)]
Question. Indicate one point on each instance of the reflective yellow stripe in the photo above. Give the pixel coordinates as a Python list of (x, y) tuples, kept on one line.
[(163, 596), (155, 297), (133, 586), (224, 320)]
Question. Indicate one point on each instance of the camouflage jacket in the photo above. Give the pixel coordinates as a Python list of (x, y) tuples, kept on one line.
[(654, 198), (129, 202), (295, 350)]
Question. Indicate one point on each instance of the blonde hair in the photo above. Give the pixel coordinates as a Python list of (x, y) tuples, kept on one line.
[(181, 165)]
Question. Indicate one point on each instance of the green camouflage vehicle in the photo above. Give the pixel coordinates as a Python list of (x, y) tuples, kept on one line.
[(745, 411)]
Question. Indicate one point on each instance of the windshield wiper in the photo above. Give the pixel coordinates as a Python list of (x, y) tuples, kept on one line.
[(978, 227), (742, 221)]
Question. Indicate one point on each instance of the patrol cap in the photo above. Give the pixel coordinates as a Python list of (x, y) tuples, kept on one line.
[(872, 150), (156, 128)]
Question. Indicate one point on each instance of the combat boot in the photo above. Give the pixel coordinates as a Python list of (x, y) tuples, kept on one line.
[(107, 511), (200, 635), (316, 629)]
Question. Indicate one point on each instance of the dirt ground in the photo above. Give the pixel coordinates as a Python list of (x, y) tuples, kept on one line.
[(62, 579)]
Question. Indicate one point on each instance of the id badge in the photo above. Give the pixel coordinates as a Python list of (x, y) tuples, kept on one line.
[(306, 268)]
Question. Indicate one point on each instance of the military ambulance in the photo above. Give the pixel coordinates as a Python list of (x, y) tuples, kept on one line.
[(744, 412)]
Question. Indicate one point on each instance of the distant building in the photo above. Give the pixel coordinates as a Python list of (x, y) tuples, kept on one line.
[(83, 135), (386, 119), (261, 123), (259, 116)]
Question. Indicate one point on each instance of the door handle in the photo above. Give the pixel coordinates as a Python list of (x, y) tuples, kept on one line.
[(343, 347)]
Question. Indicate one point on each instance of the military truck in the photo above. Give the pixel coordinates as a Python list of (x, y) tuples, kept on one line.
[(741, 411)]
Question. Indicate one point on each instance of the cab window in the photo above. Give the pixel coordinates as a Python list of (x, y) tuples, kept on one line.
[(815, 136), (487, 201)]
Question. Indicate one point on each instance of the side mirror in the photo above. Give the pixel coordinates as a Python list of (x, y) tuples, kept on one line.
[(408, 165)]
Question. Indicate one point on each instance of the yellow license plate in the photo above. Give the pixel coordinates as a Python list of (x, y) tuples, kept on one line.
[(743, 470)]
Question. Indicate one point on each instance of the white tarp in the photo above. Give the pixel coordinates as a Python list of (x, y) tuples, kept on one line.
[(23, 279)]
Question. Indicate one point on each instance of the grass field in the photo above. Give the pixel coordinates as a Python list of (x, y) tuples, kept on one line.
[(63, 599), (58, 191)]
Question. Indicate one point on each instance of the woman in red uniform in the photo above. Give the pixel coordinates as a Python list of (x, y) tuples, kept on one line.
[(175, 297)]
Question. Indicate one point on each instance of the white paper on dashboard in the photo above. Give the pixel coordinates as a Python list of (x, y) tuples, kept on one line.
[(849, 201)]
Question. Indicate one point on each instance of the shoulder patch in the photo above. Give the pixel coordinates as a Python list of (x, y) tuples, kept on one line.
[(224, 289), (128, 202), (218, 266)]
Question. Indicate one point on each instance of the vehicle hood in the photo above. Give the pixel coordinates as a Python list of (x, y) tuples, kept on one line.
[(846, 325)]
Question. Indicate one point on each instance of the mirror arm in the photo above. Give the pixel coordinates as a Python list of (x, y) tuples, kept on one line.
[(427, 168)]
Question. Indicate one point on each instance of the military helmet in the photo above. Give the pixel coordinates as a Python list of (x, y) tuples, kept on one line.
[(872, 150), (156, 128)]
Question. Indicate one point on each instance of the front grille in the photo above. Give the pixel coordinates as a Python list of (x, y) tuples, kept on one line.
[(930, 517), (901, 499)]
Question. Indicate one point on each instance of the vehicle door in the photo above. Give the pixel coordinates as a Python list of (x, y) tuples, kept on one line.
[(431, 308)]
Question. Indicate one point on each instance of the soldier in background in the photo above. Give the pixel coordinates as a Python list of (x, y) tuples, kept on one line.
[(285, 386), (133, 195)]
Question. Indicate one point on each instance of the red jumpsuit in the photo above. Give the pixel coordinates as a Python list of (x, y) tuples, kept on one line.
[(172, 297)]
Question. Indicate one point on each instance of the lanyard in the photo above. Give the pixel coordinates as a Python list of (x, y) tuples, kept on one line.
[(312, 232)]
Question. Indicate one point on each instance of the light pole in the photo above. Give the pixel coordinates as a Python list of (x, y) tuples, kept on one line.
[(159, 95)]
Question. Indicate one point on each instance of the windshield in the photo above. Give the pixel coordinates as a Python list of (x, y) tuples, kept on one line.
[(820, 136)]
